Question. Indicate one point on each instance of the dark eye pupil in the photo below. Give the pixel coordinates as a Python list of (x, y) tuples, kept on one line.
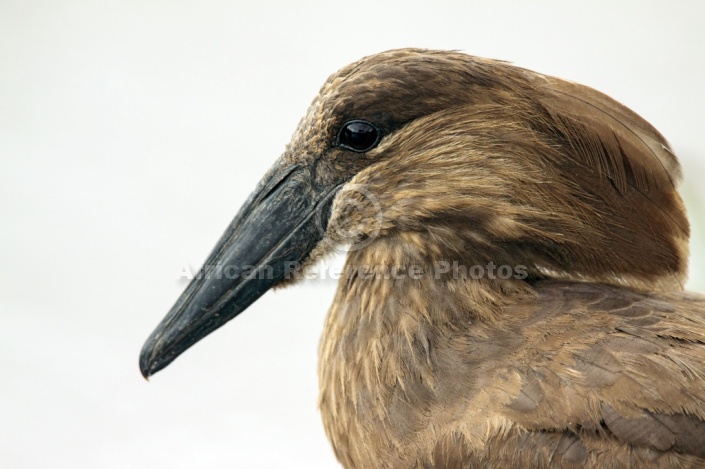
[(358, 136)]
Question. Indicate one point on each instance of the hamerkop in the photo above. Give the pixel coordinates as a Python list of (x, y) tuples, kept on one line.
[(513, 292)]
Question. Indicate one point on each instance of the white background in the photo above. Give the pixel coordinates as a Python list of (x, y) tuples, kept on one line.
[(130, 133)]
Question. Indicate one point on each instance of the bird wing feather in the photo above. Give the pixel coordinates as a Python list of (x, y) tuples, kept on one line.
[(603, 364)]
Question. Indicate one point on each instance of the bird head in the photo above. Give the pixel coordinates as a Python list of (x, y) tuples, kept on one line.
[(460, 158)]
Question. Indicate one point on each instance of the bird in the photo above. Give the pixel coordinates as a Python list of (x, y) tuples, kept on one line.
[(513, 289)]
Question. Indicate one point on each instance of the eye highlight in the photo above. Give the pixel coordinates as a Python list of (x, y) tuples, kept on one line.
[(359, 136)]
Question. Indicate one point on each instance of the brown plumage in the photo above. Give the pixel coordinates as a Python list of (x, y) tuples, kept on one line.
[(534, 316)]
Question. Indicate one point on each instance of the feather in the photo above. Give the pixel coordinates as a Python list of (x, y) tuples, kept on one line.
[(609, 136)]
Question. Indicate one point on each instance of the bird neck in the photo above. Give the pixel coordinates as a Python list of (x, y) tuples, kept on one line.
[(394, 307)]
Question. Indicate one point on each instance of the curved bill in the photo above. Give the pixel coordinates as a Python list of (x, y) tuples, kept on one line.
[(279, 225)]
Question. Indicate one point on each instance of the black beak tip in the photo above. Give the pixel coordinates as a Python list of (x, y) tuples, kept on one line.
[(150, 361), (158, 352), (145, 365)]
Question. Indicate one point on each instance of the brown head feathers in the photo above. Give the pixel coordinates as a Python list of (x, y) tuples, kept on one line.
[(533, 168)]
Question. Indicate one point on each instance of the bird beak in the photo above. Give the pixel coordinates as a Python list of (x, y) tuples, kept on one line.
[(276, 229)]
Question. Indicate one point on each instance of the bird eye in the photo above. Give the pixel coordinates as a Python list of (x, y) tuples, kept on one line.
[(359, 136)]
